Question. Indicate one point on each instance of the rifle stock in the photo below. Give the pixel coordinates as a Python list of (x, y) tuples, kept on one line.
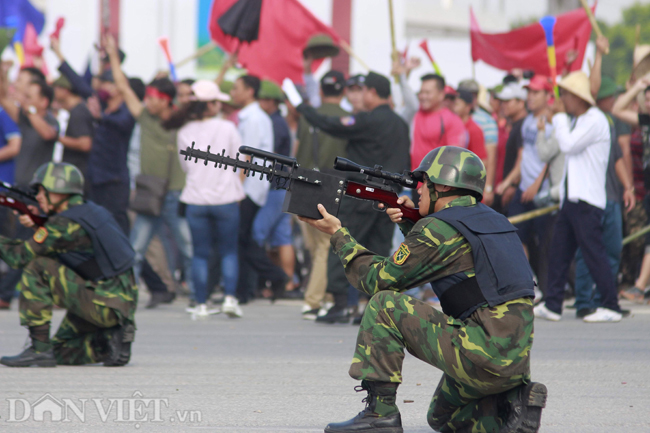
[(388, 198)]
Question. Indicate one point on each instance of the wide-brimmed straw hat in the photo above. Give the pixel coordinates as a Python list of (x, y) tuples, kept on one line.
[(578, 83), (641, 61)]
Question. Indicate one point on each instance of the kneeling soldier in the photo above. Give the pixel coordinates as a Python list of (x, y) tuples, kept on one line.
[(481, 341), (79, 260)]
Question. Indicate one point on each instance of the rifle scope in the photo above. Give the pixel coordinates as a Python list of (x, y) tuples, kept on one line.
[(405, 180)]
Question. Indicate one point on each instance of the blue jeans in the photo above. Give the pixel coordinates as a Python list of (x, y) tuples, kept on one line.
[(214, 226), (145, 227), (271, 225), (586, 296)]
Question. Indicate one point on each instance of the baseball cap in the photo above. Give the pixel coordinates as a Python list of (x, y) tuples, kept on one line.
[(540, 82), (378, 82), (356, 80), (106, 76), (466, 96), (120, 54), (469, 85), (512, 91), (450, 91), (333, 82), (206, 90), (62, 82)]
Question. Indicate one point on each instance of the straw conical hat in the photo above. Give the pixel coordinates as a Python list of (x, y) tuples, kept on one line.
[(641, 60), (578, 84)]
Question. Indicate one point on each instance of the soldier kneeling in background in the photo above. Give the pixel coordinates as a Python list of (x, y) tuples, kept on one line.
[(79, 260)]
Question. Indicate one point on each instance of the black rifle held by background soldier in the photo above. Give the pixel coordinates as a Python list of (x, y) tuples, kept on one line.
[(308, 188), (22, 201)]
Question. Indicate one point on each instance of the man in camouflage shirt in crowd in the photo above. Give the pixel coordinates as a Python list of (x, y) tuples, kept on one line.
[(81, 261), (482, 339)]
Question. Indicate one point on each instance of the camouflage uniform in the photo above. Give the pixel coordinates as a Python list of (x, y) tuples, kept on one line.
[(93, 306), (481, 356)]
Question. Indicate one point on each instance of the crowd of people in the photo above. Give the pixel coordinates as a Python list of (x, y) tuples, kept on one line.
[(221, 239)]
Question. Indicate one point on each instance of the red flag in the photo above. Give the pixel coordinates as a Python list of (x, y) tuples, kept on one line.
[(525, 48), (285, 28), (33, 50)]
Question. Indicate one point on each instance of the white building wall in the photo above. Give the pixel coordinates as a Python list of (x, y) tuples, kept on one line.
[(78, 34), (142, 22)]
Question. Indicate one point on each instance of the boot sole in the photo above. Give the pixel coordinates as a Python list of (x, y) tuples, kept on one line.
[(535, 402), (123, 358), (51, 363), (370, 430)]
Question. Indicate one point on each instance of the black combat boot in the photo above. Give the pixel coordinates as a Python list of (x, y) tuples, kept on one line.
[(524, 413), (30, 358), (39, 354), (118, 346), (380, 415)]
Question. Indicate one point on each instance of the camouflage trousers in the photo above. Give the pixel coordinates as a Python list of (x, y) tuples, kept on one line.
[(82, 336), (484, 358)]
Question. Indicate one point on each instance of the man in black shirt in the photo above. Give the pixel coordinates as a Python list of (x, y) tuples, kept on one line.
[(513, 98), (78, 136), (376, 136)]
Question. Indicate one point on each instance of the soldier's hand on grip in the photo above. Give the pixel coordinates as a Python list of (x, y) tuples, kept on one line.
[(394, 213), (26, 220), (328, 224)]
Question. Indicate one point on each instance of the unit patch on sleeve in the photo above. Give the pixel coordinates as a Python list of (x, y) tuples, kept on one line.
[(401, 254), (40, 235)]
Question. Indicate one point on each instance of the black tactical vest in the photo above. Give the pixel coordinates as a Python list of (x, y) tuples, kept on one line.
[(502, 270), (112, 251)]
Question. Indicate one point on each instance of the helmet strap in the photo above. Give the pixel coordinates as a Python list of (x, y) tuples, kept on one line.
[(55, 205), (435, 195)]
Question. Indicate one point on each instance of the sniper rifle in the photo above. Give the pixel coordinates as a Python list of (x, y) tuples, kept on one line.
[(20, 200)]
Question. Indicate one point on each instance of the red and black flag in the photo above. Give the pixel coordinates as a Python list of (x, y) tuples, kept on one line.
[(268, 35)]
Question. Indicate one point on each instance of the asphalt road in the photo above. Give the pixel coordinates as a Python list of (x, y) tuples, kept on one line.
[(273, 372)]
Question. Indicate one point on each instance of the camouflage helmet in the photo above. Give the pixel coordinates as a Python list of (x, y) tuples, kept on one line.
[(60, 178), (453, 166)]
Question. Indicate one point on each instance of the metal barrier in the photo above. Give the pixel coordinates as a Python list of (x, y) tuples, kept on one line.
[(533, 214), (635, 235), (546, 210)]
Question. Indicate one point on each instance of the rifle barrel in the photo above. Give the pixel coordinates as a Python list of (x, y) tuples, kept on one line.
[(221, 159), (286, 160)]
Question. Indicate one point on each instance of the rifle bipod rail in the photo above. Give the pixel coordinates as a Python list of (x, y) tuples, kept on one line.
[(274, 171)]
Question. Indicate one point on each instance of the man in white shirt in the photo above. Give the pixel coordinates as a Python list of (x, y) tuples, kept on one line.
[(256, 130), (585, 140)]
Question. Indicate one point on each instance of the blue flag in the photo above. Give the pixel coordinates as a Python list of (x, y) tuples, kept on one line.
[(17, 13)]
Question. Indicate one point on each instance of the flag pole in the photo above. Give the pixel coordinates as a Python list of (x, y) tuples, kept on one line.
[(394, 53), (348, 49), (473, 70), (200, 52), (592, 20)]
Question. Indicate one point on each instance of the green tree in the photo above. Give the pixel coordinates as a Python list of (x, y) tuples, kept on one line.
[(622, 36)]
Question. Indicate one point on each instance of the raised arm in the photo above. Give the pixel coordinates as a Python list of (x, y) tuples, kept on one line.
[(595, 77), (7, 103), (131, 100), (622, 108), (78, 83)]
